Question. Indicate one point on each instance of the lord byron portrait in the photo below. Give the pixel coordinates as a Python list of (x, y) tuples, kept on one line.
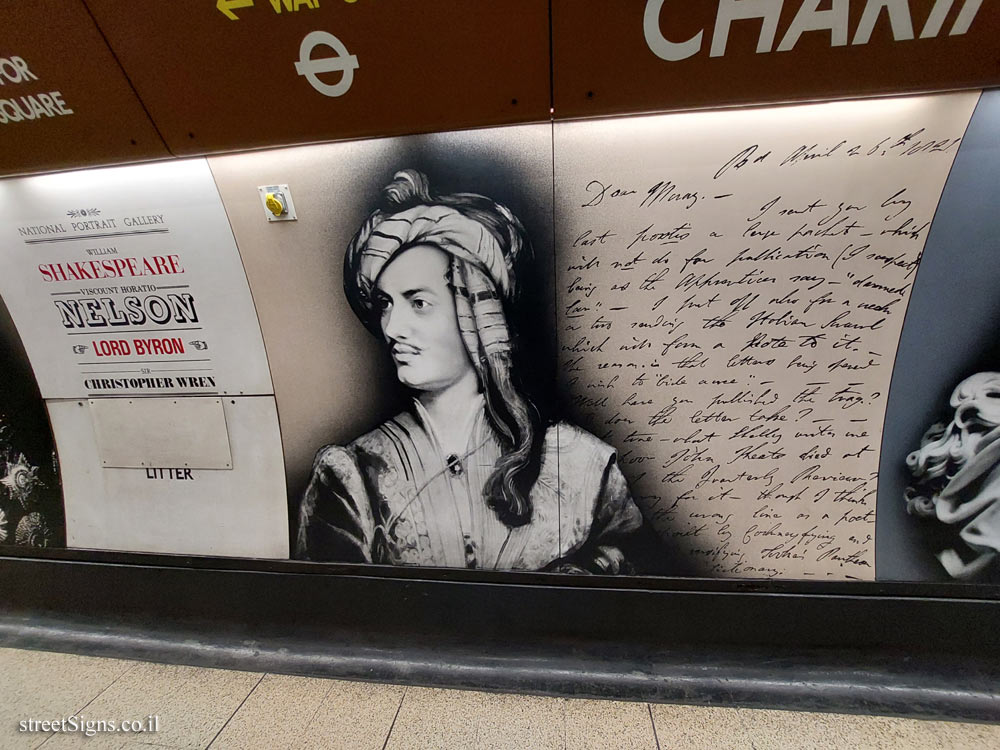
[(475, 473)]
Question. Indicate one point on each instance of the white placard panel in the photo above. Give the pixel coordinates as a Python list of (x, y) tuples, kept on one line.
[(140, 432), (237, 512), (127, 281)]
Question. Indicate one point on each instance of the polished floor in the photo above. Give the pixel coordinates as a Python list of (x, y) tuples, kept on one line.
[(212, 708)]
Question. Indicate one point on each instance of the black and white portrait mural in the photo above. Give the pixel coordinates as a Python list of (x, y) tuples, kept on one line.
[(472, 474), (31, 503), (413, 301), (415, 304), (646, 345)]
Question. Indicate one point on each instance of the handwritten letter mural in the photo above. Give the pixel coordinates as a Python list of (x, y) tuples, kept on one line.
[(731, 290)]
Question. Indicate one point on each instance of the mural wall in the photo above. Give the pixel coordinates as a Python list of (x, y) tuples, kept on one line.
[(732, 289), (691, 344), (335, 381)]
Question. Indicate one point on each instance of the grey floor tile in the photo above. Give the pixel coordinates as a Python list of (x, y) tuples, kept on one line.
[(450, 719), (48, 685), (353, 716), (77, 741), (70, 739), (521, 721), (771, 730), (74, 740), (960, 736), (699, 728), (601, 725), (275, 715), (192, 703), (435, 719)]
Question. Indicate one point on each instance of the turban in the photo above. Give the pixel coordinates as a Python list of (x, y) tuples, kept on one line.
[(482, 267)]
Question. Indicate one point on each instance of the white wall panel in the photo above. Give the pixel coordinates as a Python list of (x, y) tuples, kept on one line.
[(174, 508)]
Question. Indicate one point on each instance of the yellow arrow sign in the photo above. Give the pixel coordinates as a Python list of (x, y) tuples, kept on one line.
[(226, 6)]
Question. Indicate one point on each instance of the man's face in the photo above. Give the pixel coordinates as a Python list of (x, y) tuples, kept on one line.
[(419, 320)]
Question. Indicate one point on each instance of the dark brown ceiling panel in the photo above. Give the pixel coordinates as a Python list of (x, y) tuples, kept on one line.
[(220, 75), (619, 56), (64, 101)]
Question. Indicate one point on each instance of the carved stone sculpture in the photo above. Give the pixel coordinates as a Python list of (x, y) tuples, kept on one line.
[(956, 475)]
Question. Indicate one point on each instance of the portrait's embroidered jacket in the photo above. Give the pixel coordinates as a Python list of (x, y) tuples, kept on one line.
[(395, 496)]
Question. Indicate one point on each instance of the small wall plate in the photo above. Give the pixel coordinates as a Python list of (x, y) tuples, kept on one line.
[(284, 195)]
